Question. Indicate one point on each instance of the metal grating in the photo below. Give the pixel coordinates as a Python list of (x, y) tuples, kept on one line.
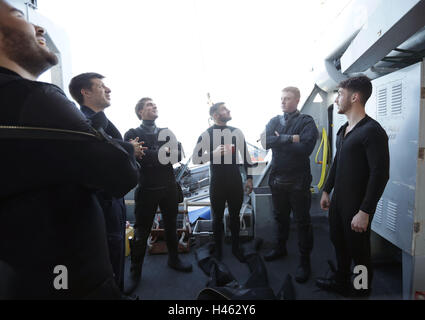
[(392, 209), (382, 102), (396, 99), (378, 213)]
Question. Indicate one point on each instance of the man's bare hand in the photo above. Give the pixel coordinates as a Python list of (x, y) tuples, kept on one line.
[(360, 222), (220, 151), (296, 139), (325, 201), (276, 134), (249, 186), (138, 148)]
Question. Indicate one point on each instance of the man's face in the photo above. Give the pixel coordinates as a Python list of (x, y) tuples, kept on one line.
[(289, 102), (223, 114), (149, 111), (99, 95), (23, 43), (343, 101)]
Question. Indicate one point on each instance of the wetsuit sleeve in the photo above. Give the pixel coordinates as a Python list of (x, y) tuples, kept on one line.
[(330, 182), (202, 153), (308, 139), (247, 161), (150, 157), (273, 141), (377, 152), (130, 135)]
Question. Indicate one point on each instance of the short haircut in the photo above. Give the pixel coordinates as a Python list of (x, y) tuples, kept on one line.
[(140, 105), (360, 84), (82, 81), (215, 108), (293, 90)]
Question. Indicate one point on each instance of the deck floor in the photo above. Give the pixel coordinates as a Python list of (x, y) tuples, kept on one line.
[(159, 282)]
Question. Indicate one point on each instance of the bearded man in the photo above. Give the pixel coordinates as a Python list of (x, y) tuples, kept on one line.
[(52, 230)]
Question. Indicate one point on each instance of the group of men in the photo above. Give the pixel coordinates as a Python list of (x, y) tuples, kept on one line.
[(65, 173)]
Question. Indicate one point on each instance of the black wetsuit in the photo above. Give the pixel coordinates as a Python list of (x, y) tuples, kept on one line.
[(157, 187), (226, 181), (290, 176), (49, 213), (358, 177)]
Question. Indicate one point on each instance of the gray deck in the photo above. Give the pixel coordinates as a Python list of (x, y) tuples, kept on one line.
[(159, 282)]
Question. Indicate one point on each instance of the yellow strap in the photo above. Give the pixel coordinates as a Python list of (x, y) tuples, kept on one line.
[(324, 163)]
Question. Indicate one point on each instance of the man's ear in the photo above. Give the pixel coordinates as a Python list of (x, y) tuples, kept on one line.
[(85, 92), (139, 113)]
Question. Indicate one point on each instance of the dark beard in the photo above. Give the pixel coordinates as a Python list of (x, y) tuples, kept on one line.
[(23, 50), (225, 119)]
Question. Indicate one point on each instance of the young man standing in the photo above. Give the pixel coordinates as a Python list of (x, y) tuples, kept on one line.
[(359, 174), (223, 145), (292, 138), (157, 187), (93, 96)]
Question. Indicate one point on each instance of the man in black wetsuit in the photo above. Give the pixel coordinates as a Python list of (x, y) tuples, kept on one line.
[(292, 137), (224, 146), (93, 96), (52, 165), (157, 187), (359, 174)]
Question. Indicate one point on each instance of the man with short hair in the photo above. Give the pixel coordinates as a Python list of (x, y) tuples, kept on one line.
[(292, 138), (157, 187), (226, 181), (52, 168), (359, 174), (93, 96)]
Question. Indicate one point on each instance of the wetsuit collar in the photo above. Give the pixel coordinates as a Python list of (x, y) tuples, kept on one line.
[(148, 123), (358, 125), (288, 115), (87, 110), (149, 126), (216, 126)]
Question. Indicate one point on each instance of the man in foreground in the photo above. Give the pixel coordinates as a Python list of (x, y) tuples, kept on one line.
[(52, 229)]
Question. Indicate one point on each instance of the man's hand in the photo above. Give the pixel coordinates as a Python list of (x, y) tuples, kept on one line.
[(138, 148), (276, 134), (249, 186), (325, 201), (221, 150), (296, 139), (360, 222)]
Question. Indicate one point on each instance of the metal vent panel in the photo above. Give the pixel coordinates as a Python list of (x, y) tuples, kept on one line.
[(397, 99), (382, 102), (392, 209), (379, 211)]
